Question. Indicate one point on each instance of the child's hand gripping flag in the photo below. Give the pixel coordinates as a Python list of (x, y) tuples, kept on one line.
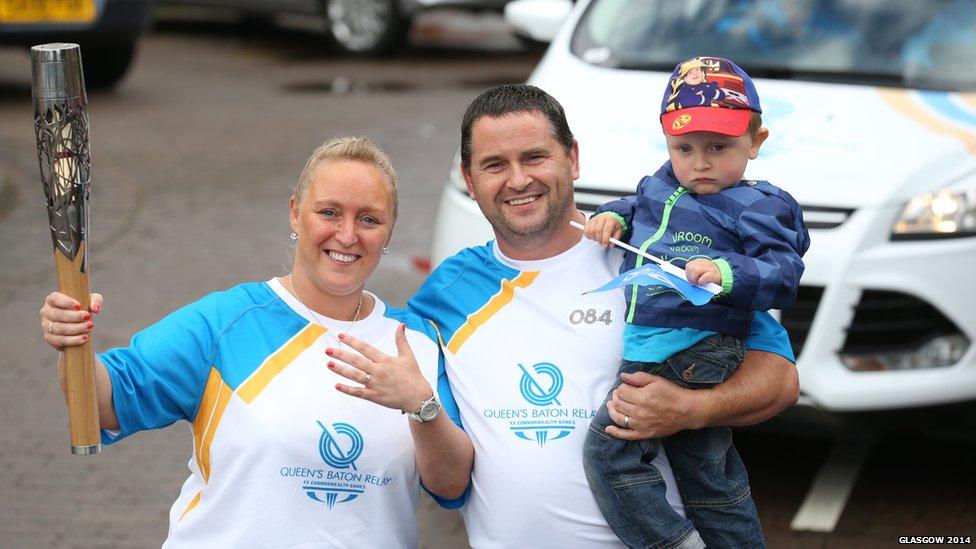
[(654, 275)]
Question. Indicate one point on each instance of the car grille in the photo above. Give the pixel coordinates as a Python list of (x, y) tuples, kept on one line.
[(883, 321), (889, 321), (798, 318)]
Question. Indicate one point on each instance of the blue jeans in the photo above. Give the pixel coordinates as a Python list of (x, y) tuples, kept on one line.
[(711, 477)]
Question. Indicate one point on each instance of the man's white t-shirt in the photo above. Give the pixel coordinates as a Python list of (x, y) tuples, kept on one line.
[(530, 357)]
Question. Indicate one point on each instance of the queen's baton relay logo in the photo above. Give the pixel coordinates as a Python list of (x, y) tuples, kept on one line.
[(340, 445), (531, 385), (548, 419), (333, 452)]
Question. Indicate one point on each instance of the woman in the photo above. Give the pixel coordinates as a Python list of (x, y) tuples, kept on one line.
[(281, 458)]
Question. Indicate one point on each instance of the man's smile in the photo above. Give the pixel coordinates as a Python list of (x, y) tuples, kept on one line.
[(522, 200)]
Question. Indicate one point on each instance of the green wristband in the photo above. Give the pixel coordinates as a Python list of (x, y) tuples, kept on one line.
[(726, 270), (619, 218)]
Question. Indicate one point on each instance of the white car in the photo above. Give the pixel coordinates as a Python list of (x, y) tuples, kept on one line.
[(871, 130)]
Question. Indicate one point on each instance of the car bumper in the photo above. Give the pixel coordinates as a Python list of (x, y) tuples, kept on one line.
[(864, 295), (946, 420)]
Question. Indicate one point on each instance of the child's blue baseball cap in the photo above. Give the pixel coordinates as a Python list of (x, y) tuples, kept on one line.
[(708, 94)]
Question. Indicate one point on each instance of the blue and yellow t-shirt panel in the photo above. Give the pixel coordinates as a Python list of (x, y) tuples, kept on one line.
[(177, 367), (465, 292)]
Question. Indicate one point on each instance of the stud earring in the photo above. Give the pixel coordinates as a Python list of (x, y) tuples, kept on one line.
[(294, 237), (385, 250)]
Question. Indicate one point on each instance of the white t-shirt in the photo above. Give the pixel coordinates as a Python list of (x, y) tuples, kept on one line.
[(281, 458), (530, 360)]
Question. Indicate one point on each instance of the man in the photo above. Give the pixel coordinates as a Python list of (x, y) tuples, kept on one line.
[(530, 358)]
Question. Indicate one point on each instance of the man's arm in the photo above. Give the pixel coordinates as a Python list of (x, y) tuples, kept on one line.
[(763, 385)]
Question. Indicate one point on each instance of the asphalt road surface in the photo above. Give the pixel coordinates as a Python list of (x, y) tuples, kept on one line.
[(193, 159)]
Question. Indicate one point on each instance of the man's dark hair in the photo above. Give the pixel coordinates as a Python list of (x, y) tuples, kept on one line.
[(514, 98)]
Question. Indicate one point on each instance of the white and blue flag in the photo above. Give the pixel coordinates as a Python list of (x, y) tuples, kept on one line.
[(653, 275)]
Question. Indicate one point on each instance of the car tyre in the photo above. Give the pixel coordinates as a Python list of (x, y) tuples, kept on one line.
[(368, 28), (106, 63)]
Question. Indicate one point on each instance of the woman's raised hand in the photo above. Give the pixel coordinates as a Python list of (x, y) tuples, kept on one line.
[(63, 323), (391, 381)]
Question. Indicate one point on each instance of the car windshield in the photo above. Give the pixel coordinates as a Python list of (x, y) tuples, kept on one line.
[(913, 43)]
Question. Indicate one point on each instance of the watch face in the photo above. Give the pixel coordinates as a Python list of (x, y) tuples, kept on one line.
[(429, 410)]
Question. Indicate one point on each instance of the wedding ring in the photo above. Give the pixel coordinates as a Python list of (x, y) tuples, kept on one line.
[(366, 379), (50, 328), (626, 422)]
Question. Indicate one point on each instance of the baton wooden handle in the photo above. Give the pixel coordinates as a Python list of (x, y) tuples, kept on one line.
[(79, 362)]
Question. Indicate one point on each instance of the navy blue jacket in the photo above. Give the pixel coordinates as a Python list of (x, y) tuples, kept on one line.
[(753, 231)]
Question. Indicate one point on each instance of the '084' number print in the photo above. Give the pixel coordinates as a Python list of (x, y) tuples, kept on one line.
[(590, 316)]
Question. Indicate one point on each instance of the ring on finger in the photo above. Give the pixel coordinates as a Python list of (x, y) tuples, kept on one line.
[(50, 328), (366, 379), (626, 422)]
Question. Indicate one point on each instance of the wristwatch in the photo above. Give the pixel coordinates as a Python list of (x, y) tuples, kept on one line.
[(429, 409)]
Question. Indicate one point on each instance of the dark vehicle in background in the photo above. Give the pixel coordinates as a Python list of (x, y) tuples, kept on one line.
[(358, 27), (106, 30)]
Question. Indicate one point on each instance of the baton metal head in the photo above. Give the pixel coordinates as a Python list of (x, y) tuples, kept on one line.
[(61, 128), (56, 71)]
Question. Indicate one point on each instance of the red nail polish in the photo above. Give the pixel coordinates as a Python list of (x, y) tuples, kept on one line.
[(86, 316), (331, 365), (91, 325), (77, 306), (342, 336), (338, 387), (84, 337), (328, 351), (96, 308)]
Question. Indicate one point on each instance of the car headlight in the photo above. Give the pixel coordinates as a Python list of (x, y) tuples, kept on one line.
[(946, 213)]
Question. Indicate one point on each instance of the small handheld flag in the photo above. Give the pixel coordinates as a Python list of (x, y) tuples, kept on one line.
[(662, 273), (654, 275)]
